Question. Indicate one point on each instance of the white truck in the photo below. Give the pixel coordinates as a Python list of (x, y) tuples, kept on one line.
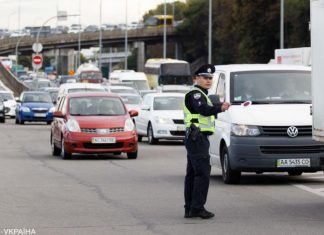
[(89, 73), (134, 79), (298, 56), (268, 127)]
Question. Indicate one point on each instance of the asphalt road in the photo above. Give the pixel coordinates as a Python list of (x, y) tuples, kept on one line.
[(113, 195)]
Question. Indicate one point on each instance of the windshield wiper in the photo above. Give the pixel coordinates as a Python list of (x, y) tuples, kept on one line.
[(295, 102), (253, 102)]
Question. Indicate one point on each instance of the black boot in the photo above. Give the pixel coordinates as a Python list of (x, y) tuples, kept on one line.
[(203, 213), (187, 211)]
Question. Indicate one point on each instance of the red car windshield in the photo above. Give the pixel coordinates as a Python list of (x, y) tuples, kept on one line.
[(96, 106)]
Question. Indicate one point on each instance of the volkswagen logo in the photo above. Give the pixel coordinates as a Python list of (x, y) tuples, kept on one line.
[(292, 131)]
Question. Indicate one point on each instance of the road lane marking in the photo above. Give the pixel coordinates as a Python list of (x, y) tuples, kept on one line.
[(317, 191)]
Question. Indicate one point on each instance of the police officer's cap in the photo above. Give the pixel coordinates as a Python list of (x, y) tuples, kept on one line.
[(206, 70)]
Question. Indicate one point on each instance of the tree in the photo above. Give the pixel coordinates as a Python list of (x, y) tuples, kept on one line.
[(244, 31), (177, 6), (297, 18)]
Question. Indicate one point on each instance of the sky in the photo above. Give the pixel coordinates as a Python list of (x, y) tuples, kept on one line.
[(36, 12)]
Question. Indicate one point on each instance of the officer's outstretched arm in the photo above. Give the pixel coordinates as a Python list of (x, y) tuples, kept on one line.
[(200, 105)]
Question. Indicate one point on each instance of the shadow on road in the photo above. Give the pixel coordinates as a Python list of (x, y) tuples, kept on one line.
[(272, 179), (97, 157)]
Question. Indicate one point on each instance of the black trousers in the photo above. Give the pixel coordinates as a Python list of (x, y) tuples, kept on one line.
[(198, 172)]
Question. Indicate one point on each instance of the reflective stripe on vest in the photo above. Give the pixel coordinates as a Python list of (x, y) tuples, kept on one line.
[(205, 123)]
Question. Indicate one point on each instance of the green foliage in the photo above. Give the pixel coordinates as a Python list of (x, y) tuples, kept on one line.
[(244, 31), (25, 61), (177, 7)]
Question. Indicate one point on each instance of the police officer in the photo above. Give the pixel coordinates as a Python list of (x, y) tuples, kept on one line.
[(199, 120)]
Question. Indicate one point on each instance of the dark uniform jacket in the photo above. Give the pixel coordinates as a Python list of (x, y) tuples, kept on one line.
[(197, 103)]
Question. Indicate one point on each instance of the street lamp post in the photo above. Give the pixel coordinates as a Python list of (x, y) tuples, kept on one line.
[(79, 37), (281, 24), (19, 12), (100, 36), (210, 33), (49, 19), (164, 32), (126, 37), (17, 61)]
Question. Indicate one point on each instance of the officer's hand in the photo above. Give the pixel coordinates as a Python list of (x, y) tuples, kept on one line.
[(225, 106)]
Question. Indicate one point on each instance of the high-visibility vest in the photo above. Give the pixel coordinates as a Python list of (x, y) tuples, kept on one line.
[(204, 123)]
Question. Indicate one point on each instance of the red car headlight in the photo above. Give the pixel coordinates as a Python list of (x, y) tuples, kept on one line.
[(73, 126)]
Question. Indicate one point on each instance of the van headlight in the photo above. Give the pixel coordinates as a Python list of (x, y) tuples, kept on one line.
[(129, 125), (25, 109), (244, 130), (163, 120), (73, 126)]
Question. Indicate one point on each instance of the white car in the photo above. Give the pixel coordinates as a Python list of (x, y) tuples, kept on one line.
[(121, 89), (268, 127), (132, 101), (66, 88), (9, 102), (175, 88), (161, 117)]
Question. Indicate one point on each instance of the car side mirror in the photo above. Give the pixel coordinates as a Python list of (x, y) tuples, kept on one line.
[(58, 114), (17, 99), (214, 99), (133, 113), (145, 107)]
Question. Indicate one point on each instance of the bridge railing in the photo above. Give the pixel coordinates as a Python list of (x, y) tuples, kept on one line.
[(8, 45), (10, 81)]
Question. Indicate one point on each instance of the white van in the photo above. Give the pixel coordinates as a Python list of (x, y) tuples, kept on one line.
[(138, 80), (268, 127)]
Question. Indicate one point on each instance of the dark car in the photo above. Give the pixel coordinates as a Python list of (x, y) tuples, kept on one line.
[(2, 112)]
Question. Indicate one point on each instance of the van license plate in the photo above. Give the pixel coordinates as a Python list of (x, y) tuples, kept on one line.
[(103, 140), (293, 162)]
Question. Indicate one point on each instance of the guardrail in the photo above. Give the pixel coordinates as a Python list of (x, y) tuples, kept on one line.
[(10, 81)]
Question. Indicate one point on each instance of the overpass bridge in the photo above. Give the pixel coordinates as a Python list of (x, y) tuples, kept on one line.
[(113, 38), (63, 45)]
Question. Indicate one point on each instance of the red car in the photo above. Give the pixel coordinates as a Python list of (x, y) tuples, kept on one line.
[(91, 123)]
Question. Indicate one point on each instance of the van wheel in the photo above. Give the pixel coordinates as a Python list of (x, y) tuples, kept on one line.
[(150, 135), (295, 173), (139, 138), (229, 176)]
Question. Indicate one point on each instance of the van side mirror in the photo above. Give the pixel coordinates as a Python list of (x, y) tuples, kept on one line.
[(214, 99)]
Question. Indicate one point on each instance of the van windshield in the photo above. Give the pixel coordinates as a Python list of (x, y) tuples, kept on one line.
[(271, 87)]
